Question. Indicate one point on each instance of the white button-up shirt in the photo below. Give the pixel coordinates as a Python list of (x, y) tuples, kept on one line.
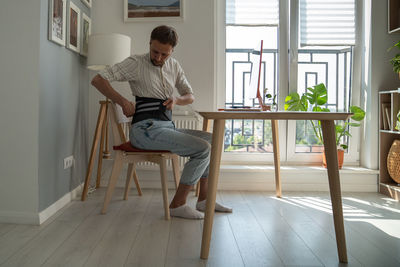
[(147, 80)]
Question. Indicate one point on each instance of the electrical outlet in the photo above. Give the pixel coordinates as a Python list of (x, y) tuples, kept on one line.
[(68, 162)]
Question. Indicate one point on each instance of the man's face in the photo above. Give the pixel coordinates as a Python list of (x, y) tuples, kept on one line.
[(159, 52)]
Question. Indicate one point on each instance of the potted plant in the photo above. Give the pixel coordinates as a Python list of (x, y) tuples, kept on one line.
[(314, 100), (395, 61), (271, 100), (397, 127)]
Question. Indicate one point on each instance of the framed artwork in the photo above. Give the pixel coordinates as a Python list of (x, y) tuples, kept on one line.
[(153, 10), (88, 3), (86, 30), (57, 12), (393, 16), (74, 27)]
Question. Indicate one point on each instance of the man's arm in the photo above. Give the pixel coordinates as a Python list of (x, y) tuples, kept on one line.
[(181, 101), (106, 89)]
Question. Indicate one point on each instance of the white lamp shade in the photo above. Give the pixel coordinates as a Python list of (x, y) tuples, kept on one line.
[(107, 49)]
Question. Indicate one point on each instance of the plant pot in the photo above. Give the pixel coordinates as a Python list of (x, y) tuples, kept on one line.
[(266, 107), (340, 155)]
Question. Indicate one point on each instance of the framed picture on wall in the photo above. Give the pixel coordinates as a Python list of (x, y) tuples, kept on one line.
[(88, 3), (86, 30), (74, 27), (153, 10), (393, 16), (57, 12)]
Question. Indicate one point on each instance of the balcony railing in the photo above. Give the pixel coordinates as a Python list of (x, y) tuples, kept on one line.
[(330, 66)]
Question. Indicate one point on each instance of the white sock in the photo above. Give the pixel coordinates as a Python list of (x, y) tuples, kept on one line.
[(201, 206), (186, 212)]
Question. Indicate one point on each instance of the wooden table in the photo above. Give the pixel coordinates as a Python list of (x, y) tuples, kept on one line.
[(329, 136)]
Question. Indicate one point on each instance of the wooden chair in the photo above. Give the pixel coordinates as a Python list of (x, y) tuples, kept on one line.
[(126, 153)]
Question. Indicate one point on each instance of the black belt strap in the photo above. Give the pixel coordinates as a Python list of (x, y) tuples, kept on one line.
[(151, 108)]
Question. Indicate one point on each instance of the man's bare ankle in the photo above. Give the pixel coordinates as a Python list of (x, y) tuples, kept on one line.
[(176, 204), (201, 199)]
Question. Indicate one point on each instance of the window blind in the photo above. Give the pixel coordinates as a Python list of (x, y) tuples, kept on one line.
[(252, 12), (327, 22)]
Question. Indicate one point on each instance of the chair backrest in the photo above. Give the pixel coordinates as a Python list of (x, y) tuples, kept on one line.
[(117, 122)]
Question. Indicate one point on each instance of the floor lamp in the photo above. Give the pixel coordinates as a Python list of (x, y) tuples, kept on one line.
[(104, 50)]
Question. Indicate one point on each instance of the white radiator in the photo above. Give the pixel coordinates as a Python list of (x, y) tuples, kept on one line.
[(181, 121)]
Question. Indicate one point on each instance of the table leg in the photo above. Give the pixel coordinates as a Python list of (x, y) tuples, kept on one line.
[(216, 150), (329, 135), (277, 162), (206, 125)]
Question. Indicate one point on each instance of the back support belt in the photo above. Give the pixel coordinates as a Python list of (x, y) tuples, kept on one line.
[(151, 108)]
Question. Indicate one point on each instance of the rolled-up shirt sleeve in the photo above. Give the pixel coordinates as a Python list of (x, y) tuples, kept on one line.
[(123, 71), (182, 84)]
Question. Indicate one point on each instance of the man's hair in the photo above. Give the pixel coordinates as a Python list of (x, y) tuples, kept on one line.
[(165, 35)]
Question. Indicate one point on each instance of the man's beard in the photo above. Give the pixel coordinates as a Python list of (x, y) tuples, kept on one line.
[(157, 65)]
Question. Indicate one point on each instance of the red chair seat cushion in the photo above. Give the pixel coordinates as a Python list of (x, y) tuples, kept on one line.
[(128, 147)]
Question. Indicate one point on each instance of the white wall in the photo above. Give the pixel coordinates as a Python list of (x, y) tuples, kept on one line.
[(377, 76), (43, 111), (19, 109), (195, 50), (63, 112)]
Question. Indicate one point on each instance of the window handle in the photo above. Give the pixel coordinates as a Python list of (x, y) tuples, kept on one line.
[(292, 56)]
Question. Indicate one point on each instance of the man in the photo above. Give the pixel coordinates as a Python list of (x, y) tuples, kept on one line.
[(153, 78)]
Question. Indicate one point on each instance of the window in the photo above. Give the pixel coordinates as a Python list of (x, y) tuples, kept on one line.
[(321, 49), (324, 54), (248, 22)]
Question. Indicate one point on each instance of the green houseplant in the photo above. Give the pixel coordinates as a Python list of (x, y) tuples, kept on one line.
[(314, 100), (395, 61), (271, 100)]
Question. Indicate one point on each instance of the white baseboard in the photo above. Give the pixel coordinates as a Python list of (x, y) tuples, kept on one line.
[(59, 204), (38, 218), (262, 178)]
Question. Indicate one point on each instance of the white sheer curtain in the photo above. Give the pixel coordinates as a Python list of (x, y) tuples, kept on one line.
[(327, 22), (252, 12)]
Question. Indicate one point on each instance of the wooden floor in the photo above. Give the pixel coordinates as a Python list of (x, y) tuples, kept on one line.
[(296, 230)]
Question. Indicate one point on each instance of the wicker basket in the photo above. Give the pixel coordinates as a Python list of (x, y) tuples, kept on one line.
[(393, 161)]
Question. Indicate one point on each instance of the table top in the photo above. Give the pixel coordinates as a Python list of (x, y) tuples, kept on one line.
[(275, 115)]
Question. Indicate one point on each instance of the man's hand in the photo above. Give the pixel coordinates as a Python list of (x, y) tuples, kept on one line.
[(170, 102), (181, 100), (128, 108), (104, 86)]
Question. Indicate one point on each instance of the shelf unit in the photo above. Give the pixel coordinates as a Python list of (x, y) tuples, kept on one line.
[(390, 99)]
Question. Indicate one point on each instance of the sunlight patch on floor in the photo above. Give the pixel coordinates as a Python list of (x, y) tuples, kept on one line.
[(390, 227), (373, 204), (325, 206)]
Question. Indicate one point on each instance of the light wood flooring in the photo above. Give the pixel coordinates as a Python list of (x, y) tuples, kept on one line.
[(296, 230)]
